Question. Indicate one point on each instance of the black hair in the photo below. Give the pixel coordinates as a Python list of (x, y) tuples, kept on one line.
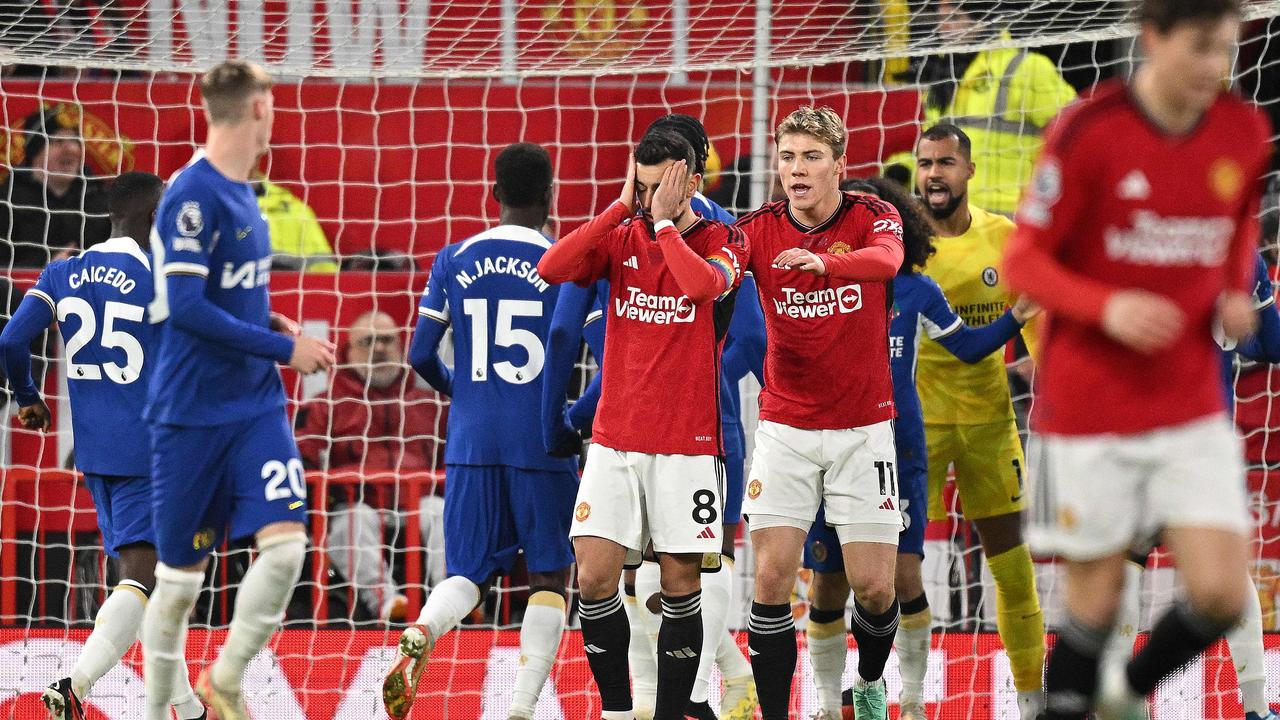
[(658, 146), (942, 131), (690, 129), (524, 175), (1165, 15), (133, 194), (917, 233)]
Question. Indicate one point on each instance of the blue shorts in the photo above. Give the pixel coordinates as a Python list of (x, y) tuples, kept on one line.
[(493, 511), (822, 546), (735, 450), (124, 510), (223, 481)]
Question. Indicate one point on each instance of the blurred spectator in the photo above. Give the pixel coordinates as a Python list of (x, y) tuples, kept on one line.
[(48, 206), (297, 240), (374, 418), (1002, 97)]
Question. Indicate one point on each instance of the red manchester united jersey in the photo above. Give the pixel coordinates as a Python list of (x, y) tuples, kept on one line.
[(826, 365), (660, 392), (1118, 203)]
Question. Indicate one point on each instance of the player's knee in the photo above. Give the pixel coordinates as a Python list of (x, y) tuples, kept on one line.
[(138, 564), (284, 553), (829, 591), (773, 584), (874, 592), (1218, 604)]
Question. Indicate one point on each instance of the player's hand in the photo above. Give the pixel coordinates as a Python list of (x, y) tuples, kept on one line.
[(800, 259), (1239, 319), (311, 355), (566, 442), (35, 416), (1024, 309), (628, 196), (671, 195), (1141, 320), (282, 324)]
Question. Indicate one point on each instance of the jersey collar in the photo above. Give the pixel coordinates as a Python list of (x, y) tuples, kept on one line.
[(126, 245)]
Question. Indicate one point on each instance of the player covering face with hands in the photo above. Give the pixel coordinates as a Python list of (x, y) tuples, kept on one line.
[(653, 473)]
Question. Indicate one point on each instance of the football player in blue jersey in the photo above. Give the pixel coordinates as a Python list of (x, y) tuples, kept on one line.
[(224, 461), (579, 315), (503, 492), (99, 301), (919, 306)]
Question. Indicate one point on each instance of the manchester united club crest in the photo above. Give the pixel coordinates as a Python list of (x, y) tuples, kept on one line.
[(1226, 179), (583, 511), (838, 248), (754, 488)]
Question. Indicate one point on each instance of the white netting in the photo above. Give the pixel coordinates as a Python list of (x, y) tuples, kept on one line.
[(389, 116)]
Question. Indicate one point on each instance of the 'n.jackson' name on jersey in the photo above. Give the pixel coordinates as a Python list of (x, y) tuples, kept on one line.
[(489, 290), (209, 373), (100, 299)]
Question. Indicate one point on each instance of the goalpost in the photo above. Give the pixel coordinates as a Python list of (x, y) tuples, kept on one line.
[(389, 116)]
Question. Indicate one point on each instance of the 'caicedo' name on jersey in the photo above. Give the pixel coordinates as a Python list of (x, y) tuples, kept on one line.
[(819, 303), (113, 277), (656, 309), (503, 265)]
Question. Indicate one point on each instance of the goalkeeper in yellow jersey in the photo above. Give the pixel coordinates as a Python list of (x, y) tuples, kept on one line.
[(968, 415)]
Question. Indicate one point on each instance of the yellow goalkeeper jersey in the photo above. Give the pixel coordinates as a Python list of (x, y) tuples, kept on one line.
[(967, 268)]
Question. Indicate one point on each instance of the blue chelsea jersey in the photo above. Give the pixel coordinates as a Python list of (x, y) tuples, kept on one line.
[(488, 290), (212, 256), (99, 299)]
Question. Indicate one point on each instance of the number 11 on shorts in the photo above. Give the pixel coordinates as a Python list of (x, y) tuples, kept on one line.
[(888, 478)]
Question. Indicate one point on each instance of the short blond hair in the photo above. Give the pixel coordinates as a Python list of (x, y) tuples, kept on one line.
[(227, 87), (821, 123)]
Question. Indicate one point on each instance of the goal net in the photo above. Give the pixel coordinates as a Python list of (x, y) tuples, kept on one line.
[(389, 114)]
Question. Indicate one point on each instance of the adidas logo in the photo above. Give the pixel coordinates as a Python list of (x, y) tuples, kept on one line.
[(1134, 186), (751, 652), (707, 534), (632, 263), (887, 504), (683, 652), (593, 649)]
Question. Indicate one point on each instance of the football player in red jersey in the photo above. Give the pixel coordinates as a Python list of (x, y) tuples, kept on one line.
[(654, 471), (823, 261), (1137, 236)]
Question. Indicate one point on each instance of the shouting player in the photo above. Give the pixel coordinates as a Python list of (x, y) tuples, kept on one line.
[(503, 492), (579, 315), (109, 286), (224, 461), (968, 415), (1138, 233), (823, 261), (654, 471), (919, 308)]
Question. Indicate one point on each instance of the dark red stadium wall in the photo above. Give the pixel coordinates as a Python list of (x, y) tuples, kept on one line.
[(407, 167)]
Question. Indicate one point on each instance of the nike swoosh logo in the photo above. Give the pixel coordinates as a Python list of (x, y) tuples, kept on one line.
[(1016, 498)]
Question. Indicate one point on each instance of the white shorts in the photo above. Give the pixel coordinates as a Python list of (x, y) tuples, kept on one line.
[(677, 501), (853, 472), (1097, 495)]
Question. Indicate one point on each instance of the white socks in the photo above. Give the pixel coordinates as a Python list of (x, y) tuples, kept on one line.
[(1245, 641), (116, 626), (164, 636), (1119, 648), (448, 603), (716, 590), (732, 663), (260, 606), (828, 651), (644, 677), (539, 642), (912, 644), (641, 654)]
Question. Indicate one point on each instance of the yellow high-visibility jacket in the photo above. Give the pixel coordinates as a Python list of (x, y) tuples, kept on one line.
[(295, 232)]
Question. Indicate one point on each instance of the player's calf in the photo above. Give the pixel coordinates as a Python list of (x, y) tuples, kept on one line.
[(680, 637)]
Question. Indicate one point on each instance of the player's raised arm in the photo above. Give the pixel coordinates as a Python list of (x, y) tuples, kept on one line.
[(878, 260), (34, 315), (433, 320), (702, 279), (577, 257), (970, 344)]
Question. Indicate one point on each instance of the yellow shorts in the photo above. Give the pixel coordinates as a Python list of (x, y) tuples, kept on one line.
[(989, 468)]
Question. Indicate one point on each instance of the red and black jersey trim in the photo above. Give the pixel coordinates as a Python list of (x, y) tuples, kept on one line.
[(778, 208), (1079, 116)]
